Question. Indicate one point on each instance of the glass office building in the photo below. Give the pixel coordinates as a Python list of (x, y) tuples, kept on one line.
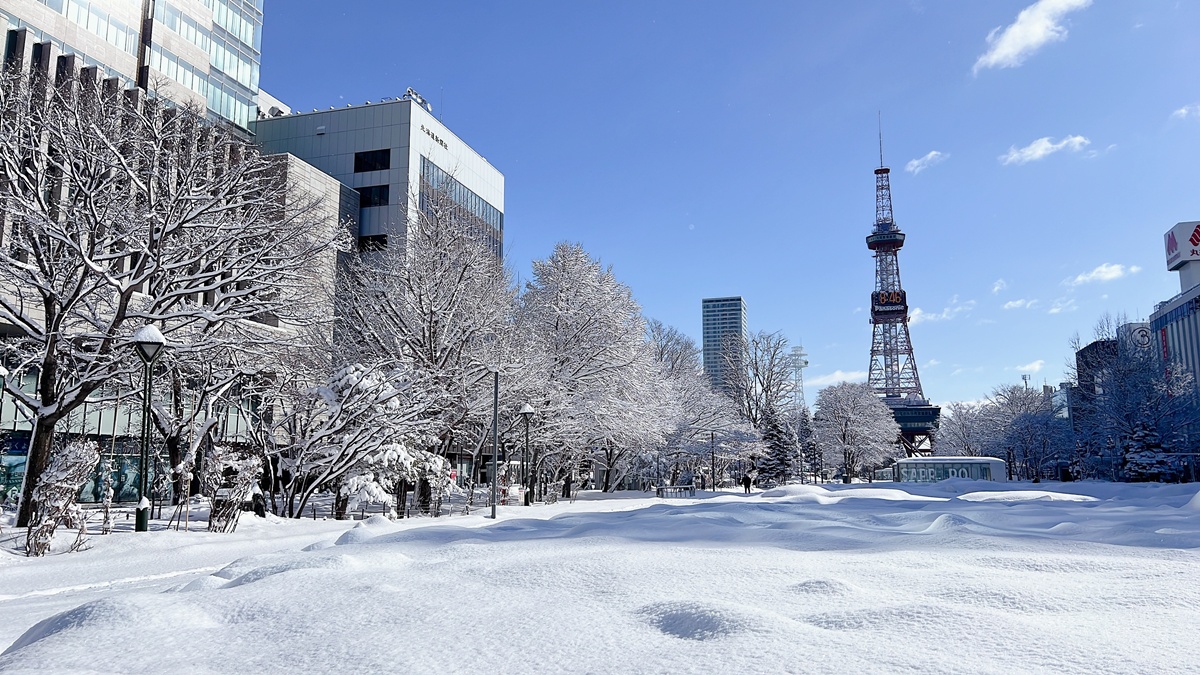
[(724, 321), (205, 52)]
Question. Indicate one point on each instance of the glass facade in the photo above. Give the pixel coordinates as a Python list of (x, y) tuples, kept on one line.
[(723, 319), (232, 41), (231, 37), (484, 220), (113, 422), (91, 17), (89, 60)]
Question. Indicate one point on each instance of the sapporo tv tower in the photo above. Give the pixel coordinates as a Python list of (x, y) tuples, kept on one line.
[(893, 373)]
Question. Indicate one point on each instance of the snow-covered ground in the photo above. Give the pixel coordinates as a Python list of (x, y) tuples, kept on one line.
[(957, 576)]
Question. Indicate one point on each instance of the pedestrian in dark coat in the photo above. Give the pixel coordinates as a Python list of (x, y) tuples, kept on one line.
[(746, 483)]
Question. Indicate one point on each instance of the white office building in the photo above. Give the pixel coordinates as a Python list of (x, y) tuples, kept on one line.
[(391, 153)]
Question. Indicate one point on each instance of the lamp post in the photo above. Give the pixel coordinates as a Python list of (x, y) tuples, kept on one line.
[(149, 343), (495, 433), (712, 449), (526, 412), (3, 444)]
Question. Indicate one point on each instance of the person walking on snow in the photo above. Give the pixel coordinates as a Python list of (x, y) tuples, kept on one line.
[(746, 482)]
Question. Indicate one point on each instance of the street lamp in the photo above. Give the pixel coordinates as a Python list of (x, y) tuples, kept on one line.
[(712, 449), (149, 342), (526, 412), (495, 433)]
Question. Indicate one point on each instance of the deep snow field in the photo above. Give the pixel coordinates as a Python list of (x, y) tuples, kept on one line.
[(953, 577)]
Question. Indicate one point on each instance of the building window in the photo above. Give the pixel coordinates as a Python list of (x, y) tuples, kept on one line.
[(372, 242), (372, 160), (375, 195)]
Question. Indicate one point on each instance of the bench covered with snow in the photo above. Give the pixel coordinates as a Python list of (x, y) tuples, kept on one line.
[(666, 491)]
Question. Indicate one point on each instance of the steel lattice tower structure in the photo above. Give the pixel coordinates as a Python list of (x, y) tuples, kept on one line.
[(799, 362), (893, 373)]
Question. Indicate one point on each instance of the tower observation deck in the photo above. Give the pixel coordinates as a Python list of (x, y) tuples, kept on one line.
[(893, 373)]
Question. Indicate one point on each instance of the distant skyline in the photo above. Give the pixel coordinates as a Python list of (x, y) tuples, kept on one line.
[(1039, 152)]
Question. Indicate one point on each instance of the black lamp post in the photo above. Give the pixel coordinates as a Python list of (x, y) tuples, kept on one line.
[(712, 449), (149, 342), (526, 412), (495, 434)]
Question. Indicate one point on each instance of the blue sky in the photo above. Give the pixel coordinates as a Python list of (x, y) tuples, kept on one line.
[(716, 148)]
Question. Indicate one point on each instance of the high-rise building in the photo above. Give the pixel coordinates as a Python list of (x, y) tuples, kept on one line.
[(205, 52), (724, 322), (393, 153)]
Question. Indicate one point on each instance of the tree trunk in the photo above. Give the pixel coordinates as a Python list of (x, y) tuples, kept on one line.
[(174, 459), (424, 495), (401, 497), (38, 458)]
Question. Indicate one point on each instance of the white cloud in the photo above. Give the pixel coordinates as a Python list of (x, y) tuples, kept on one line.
[(918, 315), (1036, 25), (998, 286), (836, 377), (1062, 305), (1093, 154), (1104, 272), (1187, 111), (1020, 304), (1042, 148), (1034, 367), (931, 363), (916, 166)]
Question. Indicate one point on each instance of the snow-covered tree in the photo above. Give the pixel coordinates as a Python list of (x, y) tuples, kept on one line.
[(1128, 397), (701, 413), (1036, 441), (440, 304), (855, 429), (963, 430), (121, 211), (758, 374), (355, 422), (56, 495), (599, 397), (1012, 419), (1144, 458)]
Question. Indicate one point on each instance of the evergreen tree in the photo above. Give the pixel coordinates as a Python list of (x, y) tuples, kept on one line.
[(1144, 457), (811, 458), (780, 456)]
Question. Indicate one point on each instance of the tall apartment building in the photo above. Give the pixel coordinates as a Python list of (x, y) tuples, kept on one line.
[(392, 153), (201, 51), (723, 320)]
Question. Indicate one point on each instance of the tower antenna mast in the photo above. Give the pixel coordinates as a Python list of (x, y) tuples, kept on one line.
[(879, 120)]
